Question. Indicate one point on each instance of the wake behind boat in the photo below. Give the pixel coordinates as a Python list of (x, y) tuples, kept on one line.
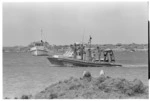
[(79, 55)]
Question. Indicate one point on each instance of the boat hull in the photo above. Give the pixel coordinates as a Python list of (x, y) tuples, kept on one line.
[(79, 63), (39, 51)]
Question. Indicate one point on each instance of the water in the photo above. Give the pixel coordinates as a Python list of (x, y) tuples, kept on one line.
[(27, 74)]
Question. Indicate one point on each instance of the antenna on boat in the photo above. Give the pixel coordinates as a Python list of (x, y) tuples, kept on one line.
[(83, 37), (42, 36), (41, 33)]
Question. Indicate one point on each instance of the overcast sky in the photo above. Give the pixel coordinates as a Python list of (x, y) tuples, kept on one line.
[(66, 23)]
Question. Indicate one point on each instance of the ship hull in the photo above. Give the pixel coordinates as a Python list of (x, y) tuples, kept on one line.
[(39, 51), (79, 63)]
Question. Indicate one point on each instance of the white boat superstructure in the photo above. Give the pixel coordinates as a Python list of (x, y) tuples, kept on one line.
[(39, 48)]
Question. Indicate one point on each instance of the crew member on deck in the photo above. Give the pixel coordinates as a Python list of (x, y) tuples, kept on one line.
[(75, 51)]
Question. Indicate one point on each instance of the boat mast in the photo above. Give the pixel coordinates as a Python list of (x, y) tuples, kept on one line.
[(83, 37), (90, 42), (90, 57), (82, 47), (41, 33)]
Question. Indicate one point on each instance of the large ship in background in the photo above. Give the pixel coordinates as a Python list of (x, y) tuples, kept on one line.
[(39, 48), (84, 56)]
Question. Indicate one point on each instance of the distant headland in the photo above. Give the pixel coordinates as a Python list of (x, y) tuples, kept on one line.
[(62, 48)]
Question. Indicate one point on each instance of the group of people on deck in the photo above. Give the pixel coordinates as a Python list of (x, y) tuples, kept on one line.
[(93, 55)]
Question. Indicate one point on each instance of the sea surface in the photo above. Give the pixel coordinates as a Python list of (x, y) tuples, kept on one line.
[(27, 74)]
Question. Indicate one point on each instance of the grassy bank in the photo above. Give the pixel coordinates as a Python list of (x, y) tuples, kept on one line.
[(88, 87)]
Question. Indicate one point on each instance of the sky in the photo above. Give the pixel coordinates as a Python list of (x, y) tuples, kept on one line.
[(68, 22)]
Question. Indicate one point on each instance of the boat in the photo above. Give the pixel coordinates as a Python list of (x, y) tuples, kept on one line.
[(39, 48), (79, 55)]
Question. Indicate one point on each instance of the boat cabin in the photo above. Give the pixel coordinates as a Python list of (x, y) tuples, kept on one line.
[(39, 43)]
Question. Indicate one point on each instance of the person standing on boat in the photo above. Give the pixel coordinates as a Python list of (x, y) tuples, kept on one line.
[(42, 42), (93, 55), (106, 58), (84, 54), (98, 53), (75, 50), (112, 58), (88, 55), (82, 51)]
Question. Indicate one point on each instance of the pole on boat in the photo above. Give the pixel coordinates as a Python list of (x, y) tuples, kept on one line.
[(41, 33), (90, 41), (90, 58), (83, 36), (83, 39), (75, 51), (82, 47)]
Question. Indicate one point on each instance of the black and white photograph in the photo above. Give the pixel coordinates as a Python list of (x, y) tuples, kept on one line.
[(75, 50)]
